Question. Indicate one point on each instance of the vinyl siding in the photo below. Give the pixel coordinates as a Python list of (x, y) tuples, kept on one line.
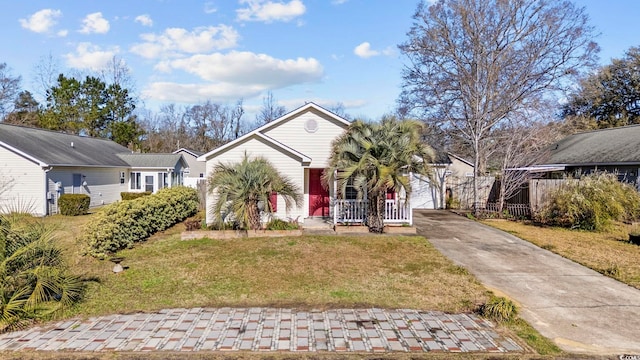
[(21, 183), (286, 165), (195, 167), (103, 184), (316, 145), (424, 194)]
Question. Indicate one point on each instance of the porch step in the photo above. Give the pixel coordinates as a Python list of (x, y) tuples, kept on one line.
[(317, 224)]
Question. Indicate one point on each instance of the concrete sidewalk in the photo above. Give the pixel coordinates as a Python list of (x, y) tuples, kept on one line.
[(268, 330), (580, 309)]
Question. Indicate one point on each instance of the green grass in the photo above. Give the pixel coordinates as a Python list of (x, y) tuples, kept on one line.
[(308, 272)]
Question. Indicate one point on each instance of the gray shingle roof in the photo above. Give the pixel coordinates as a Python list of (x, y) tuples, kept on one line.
[(151, 160), (192, 152), (55, 149), (608, 146)]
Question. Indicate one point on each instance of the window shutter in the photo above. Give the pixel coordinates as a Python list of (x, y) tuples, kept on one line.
[(273, 200)]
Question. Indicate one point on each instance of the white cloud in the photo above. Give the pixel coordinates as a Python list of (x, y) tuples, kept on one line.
[(210, 8), (94, 23), (144, 19), (195, 93), (89, 56), (338, 2), (364, 51), (268, 11), (233, 75), (62, 33), (250, 68), (178, 40), (41, 21)]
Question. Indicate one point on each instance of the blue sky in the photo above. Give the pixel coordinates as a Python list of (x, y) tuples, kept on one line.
[(188, 51)]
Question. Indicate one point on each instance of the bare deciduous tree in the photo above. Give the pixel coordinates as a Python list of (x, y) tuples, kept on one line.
[(9, 89), (45, 75), (473, 63), (270, 110)]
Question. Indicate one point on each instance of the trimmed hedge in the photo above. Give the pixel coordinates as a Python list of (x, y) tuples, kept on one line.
[(133, 195), (120, 225), (74, 204)]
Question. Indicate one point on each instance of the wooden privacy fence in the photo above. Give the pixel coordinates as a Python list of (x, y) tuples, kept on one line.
[(462, 189), (540, 189)]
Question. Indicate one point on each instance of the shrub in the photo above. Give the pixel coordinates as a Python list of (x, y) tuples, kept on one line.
[(74, 204), (278, 224), (133, 195), (592, 203), (122, 224), (33, 279), (499, 309)]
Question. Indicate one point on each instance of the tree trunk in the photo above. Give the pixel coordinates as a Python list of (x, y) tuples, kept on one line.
[(375, 213), (476, 166), (503, 189), (253, 213)]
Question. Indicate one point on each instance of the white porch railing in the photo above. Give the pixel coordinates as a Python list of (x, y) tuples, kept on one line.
[(355, 211)]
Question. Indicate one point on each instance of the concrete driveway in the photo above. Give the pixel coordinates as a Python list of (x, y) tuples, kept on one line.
[(581, 310)]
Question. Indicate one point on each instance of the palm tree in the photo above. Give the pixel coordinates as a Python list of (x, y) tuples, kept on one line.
[(33, 279), (241, 188), (378, 157)]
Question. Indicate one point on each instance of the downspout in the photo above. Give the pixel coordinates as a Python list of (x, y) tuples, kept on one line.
[(46, 190)]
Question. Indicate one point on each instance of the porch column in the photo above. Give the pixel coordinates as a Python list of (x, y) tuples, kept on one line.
[(409, 207)]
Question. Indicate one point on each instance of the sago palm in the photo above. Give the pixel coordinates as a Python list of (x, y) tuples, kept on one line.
[(378, 157), (33, 277), (241, 187)]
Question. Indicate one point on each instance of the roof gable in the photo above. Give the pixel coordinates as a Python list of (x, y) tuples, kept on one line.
[(50, 148), (279, 121), (189, 151)]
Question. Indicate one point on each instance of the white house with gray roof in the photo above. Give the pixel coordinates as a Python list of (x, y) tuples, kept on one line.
[(298, 144), (196, 169), (37, 166)]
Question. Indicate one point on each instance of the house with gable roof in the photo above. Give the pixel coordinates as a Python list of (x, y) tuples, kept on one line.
[(298, 144), (37, 166), (613, 150)]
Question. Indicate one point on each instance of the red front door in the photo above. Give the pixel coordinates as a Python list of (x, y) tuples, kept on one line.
[(318, 195)]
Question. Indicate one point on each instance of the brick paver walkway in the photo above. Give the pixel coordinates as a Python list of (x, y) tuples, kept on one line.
[(267, 329)]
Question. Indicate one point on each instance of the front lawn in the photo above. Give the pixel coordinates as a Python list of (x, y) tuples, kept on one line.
[(607, 252), (308, 272)]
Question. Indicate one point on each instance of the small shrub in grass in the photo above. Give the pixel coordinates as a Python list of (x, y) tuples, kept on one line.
[(74, 204), (279, 224), (593, 203), (133, 195), (499, 309), (122, 224)]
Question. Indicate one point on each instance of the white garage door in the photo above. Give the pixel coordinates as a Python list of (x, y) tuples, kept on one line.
[(424, 195)]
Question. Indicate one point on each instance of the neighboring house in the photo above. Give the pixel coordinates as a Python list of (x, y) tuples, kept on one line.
[(37, 166), (298, 144), (615, 150), (152, 172), (196, 169)]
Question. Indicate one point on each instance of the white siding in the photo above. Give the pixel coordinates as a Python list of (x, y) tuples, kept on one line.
[(21, 183), (286, 165), (103, 184), (424, 194), (316, 145)]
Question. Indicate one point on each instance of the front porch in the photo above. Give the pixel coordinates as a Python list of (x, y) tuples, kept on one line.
[(396, 211)]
